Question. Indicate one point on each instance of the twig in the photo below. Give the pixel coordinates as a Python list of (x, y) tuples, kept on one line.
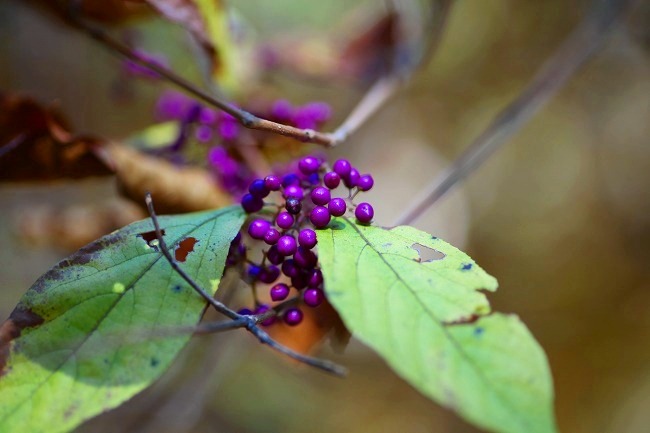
[(238, 320), (583, 42)]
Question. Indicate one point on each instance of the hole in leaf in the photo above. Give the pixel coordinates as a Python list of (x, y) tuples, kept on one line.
[(150, 238), (427, 254), (185, 247)]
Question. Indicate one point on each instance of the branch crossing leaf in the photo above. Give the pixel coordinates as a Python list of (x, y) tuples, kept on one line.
[(427, 318), (82, 340)]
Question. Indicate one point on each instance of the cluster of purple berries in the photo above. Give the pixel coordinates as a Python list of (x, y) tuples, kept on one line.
[(296, 204)]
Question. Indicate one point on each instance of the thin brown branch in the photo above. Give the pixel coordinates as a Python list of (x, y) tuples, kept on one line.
[(581, 44)]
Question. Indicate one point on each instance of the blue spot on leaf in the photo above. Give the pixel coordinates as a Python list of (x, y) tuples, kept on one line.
[(478, 331), (466, 267)]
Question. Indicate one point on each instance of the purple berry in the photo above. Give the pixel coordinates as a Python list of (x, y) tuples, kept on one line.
[(289, 268), (293, 206), (304, 258), (352, 179), (254, 271), (332, 180), (258, 228), (271, 237), (320, 217), (282, 110), (269, 275), (313, 297), (263, 308), (203, 133), (320, 196), (294, 191), (279, 292), (337, 207), (274, 255), (342, 167), (284, 220), (245, 312), (364, 213), (365, 182), (293, 316), (299, 281), (315, 278), (290, 179), (272, 182), (313, 179), (258, 188), (251, 204), (287, 245), (308, 165), (307, 238)]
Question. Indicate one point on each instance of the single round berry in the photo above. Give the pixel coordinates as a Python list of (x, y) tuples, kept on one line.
[(274, 256), (289, 268), (313, 297), (321, 196), (308, 165), (293, 206), (342, 167), (352, 179), (272, 182), (263, 308), (365, 182), (251, 204), (284, 220), (320, 217), (271, 237), (293, 316), (307, 238), (304, 258), (294, 191), (258, 228), (299, 281), (315, 278), (279, 292), (245, 312), (258, 188), (287, 245), (337, 207), (254, 271), (269, 275), (313, 179), (290, 179), (364, 213), (332, 180)]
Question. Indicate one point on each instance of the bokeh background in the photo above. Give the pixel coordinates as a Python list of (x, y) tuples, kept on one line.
[(560, 215)]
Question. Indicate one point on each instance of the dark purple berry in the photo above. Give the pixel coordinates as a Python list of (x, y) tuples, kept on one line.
[(258, 228), (272, 182), (353, 178), (263, 308), (305, 258), (293, 316), (286, 245), (364, 213), (293, 206), (342, 167), (332, 180), (237, 239), (290, 179), (289, 268), (269, 275), (279, 292), (254, 271), (337, 207), (315, 278), (245, 312), (365, 182), (284, 220), (313, 297), (313, 179), (320, 196), (258, 188), (251, 204), (271, 237), (274, 256), (307, 238), (294, 191), (320, 217), (299, 281), (308, 165)]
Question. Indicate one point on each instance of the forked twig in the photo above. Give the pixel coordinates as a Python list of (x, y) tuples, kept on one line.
[(250, 323), (583, 42)]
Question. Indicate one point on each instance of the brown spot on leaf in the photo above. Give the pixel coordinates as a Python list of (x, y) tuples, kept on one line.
[(19, 319), (463, 320), (185, 247)]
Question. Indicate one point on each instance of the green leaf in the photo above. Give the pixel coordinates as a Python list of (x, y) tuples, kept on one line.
[(429, 321), (82, 339)]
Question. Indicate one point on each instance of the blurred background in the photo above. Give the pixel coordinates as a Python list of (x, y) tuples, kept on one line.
[(560, 215)]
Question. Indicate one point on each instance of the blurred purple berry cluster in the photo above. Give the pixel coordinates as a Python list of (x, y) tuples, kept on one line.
[(286, 212)]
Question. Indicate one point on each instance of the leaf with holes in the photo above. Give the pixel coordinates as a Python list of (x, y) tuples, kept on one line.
[(79, 342), (427, 318)]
